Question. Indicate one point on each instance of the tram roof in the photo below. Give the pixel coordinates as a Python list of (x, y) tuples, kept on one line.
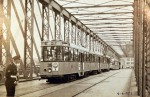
[(62, 43)]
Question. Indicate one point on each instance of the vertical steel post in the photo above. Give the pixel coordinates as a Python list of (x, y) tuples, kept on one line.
[(28, 48), (136, 46), (90, 42), (4, 31), (45, 22), (144, 54), (146, 31), (57, 26), (72, 33), (139, 48), (136, 40), (78, 36), (8, 57), (66, 30), (86, 40), (75, 34), (1, 35)]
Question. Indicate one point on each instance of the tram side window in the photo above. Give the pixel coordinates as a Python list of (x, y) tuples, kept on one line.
[(71, 54), (102, 60), (76, 56), (108, 60), (80, 57), (85, 57), (113, 62), (116, 63), (88, 57), (93, 58), (66, 54), (96, 58)]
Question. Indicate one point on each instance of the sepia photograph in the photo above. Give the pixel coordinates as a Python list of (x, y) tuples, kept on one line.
[(74, 48)]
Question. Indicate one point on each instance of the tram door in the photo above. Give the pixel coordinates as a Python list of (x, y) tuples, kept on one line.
[(99, 60), (82, 63)]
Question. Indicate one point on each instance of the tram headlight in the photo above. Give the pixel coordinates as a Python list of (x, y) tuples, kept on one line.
[(49, 67), (49, 70), (55, 66)]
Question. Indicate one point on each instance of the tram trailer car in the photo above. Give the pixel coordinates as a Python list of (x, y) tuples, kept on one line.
[(59, 60), (115, 64)]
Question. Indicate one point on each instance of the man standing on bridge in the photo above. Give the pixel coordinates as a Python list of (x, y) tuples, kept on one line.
[(11, 77)]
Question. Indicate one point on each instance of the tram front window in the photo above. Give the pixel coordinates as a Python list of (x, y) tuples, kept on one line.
[(53, 53)]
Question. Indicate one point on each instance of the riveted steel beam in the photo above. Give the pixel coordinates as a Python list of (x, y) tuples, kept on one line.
[(66, 30), (91, 19), (28, 48), (105, 23), (1, 34), (98, 13), (97, 6), (57, 26), (45, 22), (73, 33)]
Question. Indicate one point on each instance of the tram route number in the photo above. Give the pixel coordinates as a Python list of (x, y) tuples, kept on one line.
[(124, 93)]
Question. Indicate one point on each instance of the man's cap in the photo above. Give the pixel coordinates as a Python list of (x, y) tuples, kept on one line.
[(16, 57)]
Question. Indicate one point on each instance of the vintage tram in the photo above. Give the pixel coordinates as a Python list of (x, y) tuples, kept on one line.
[(115, 64), (62, 60)]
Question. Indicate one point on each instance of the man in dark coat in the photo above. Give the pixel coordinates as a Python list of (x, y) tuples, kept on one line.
[(11, 77)]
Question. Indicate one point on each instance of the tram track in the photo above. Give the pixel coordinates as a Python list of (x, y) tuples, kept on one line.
[(95, 84), (79, 82), (47, 89), (38, 89), (22, 89)]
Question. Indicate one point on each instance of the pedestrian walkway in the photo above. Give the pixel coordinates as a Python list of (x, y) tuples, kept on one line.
[(120, 85)]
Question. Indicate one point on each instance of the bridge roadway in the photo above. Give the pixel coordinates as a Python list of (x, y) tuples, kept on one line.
[(115, 83)]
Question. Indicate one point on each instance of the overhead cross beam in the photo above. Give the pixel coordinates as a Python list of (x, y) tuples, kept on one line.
[(105, 23), (108, 27), (112, 35), (117, 36), (112, 30), (104, 19), (95, 6), (97, 13)]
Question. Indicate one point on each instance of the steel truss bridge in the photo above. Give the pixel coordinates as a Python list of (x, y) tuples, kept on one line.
[(25, 23)]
